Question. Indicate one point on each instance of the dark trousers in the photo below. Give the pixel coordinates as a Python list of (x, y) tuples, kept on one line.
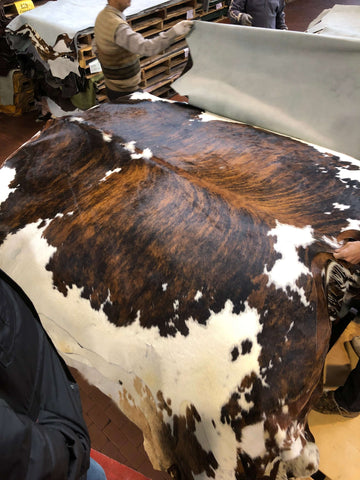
[(348, 396)]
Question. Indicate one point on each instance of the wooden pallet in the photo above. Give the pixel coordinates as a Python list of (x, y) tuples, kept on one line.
[(23, 98), (22, 83), (180, 44), (85, 39), (217, 11), (85, 56), (161, 84), (162, 88), (85, 49), (100, 91), (101, 98), (154, 21), (163, 66), (11, 9), (216, 16), (23, 102), (148, 24), (86, 53), (180, 14), (178, 8), (160, 71), (8, 11)]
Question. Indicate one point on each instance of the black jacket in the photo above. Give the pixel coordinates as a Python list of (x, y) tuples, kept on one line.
[(265, 13), (42, 431)]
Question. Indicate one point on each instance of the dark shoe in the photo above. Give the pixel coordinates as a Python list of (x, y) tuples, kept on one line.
[(355, 343), (328, 405)]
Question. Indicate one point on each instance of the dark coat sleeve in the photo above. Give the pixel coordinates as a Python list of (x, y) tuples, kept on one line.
[(236, 7), (29, 450), (43, 434), (61, 410)]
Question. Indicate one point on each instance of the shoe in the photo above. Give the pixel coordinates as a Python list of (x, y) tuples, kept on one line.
[(355, 343), (329, 406)]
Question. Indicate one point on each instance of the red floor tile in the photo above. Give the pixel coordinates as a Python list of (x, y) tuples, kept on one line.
[(115, 470)]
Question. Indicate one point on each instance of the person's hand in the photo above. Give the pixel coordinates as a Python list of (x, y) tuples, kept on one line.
[(183, 27), (349, 252), (246, 19)]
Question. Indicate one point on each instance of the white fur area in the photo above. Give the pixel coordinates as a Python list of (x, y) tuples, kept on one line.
[(353, 224), (193, 370), (109, 173), (6, 177), (306, 463), (290, 441), (288, 269), (345, 172), (148, 96), (253, 440)]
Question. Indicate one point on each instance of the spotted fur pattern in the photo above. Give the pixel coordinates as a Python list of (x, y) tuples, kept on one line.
[(177, 260)]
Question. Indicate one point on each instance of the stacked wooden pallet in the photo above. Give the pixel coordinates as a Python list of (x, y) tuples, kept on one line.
[(216, 12), (23, 99), (159, 19), (160, 71), (9, 9), (90, 65), (23, 88)]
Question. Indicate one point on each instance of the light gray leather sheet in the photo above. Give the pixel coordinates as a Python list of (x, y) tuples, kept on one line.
[(301, 85), (340, 20)]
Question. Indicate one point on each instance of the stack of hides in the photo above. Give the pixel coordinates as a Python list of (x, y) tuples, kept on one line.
[(340, 20), (7, 57), (16, 91)]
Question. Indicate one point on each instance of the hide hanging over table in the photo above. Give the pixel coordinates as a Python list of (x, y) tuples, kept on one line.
[(297, 84), (178, 261)]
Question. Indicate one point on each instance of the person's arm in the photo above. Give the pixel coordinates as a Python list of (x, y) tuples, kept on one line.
[(349, 252), (134, 42), (280, 17), (42, 431), (30, 450), (237, 13)]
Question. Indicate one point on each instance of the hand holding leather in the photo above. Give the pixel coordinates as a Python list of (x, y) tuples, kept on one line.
[(246, 19), (183, 27)]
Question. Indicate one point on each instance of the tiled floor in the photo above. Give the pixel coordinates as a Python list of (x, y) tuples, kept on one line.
[(111, 433)]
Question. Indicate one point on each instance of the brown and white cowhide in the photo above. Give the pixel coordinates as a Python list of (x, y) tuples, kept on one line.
[(179, 262)]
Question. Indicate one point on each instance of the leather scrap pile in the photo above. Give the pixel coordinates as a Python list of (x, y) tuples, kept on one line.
[(16, 90)]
